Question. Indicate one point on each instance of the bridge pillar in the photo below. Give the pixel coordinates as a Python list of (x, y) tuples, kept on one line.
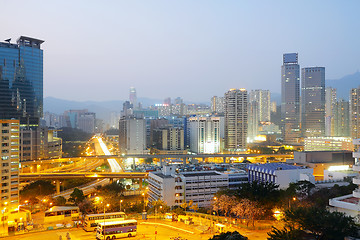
[(57, 184), (161, 162), (203, 159), (184, 160), (224, 159), (111, 180), (140, 183), (264, 159)]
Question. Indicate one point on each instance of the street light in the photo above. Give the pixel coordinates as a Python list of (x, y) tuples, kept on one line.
[(120, 204), (107, 205), (143, 194)]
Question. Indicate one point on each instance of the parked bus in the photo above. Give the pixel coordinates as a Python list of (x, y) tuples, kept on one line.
[(118, 229), (91, 220)]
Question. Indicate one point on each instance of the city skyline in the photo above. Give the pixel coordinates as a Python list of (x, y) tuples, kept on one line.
[(151, 46)]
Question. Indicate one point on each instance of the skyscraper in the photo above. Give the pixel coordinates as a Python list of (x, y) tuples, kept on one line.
[(21, 80), (290, 98), (313, 101), (355, 112), (236, 119), (217, 104), (132, 136), (133, 98)]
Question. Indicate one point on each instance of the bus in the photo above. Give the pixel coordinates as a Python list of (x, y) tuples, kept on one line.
[(91, 220), (118, 229)]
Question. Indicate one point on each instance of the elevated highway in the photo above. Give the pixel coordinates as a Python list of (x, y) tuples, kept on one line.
[(72, 175)]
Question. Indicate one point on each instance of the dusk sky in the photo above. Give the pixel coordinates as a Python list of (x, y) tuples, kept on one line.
[(97, 50)]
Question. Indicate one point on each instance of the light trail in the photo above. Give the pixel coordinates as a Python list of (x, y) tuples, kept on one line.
[(114, 165)]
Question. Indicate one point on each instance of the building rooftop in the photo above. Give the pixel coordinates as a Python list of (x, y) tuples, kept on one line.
[(159, 174), (200, 174), (61, 208), (272, 167)]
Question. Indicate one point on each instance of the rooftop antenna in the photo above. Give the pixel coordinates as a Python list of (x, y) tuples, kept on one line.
[(8, 40)]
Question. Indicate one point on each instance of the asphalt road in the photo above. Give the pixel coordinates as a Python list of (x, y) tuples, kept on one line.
[(146, 232)]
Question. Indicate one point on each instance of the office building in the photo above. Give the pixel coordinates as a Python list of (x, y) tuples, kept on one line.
[(330, 106), (313, 101), (328, 144), (236, 119), (177, 188), (355, 112), (290, 98), (279, 173), (217, 104), (86, 122), (132, 136), (168, 140), (205, 134), (21, 80)]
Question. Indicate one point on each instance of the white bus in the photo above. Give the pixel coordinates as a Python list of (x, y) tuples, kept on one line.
[(118, 229), (91, 220)]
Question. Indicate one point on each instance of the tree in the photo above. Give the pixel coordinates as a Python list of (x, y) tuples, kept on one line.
[(247, 209), (229, 236), (318, 222), (60, 201), (37, 189), (77, 196), (224, 203), (184, 206), (285, 234)]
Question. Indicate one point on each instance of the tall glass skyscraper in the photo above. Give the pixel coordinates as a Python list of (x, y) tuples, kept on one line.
[(21, 80), (290, 98)]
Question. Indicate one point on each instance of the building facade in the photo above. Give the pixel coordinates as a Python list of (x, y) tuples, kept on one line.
[(205, 134), (290, 98), (313, 101), (330, 111), (279, 173), (217, 104), (341, 119), (9, 131), (236, 119), (355, 113), (21, 80), (328, 144), (132, 136)]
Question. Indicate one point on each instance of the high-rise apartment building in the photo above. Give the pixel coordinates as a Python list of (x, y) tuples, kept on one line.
[(355, 112), (205, 134), (9, 167), (330, 105), (21, 80), (236, 119), (263, 103), (132, 136), (341, 119), (168, 139), (217, 104), (290, 98), (313, 101)]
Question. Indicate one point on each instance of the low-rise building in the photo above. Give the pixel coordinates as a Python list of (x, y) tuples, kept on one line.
[(279, 173), (175, 187), (328, 144), (350, 204)]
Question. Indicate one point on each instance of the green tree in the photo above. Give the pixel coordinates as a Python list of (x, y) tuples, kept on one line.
[(60, 201), (77, 196), (250, 210), (229, 236), (285, 234), (37, 189), (319, 222)]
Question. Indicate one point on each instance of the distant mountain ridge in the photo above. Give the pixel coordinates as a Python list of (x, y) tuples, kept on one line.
[(344, 84)]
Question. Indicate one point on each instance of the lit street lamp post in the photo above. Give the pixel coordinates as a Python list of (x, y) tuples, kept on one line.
[(120, 204), (107, 205)]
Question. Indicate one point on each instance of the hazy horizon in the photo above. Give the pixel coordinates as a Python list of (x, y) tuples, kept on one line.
[(190, 49)]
